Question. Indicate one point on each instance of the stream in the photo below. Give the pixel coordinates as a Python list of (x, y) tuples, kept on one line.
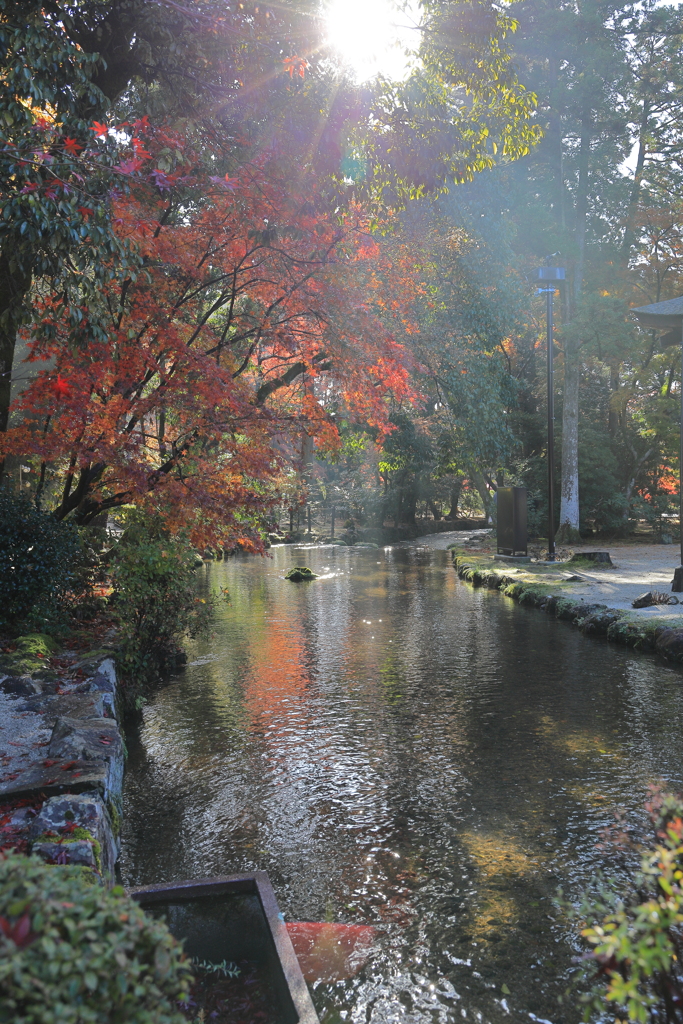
[(398, 749)]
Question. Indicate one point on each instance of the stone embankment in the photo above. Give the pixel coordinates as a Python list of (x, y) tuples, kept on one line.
[(661, 634), (61, 765)]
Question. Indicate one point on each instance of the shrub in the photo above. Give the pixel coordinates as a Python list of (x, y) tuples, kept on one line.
[(634, 967), (77, 954), (657, 510), (38, 560), (156, 603)]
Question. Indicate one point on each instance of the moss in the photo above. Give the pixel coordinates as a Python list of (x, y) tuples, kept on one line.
[(533, 595), (300, 574), (114, 817), (514, 589), (580, 562), (37, 643), (564, 609), (78, 835), (32, 651), (599, 621), (87, 875), (642, 634)]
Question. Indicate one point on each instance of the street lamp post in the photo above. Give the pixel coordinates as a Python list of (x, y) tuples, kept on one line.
[(545, 276), (668, 316)]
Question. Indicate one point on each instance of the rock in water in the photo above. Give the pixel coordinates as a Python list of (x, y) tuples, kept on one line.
[(299, 573)]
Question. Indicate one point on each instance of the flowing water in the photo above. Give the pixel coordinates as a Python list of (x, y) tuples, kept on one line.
[(398, 749)]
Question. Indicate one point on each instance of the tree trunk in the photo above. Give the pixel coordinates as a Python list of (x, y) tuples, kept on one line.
[(554, 142), (400, 486), (456, 491), (14, 284), (614, 416), (569, 492), (569, 488), (634, 200), (434, 510), (582, 199), (412, 495), (479, 482)]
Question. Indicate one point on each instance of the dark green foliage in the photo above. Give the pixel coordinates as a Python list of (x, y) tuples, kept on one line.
[(603, 507), (39, 561), (46, 230), (75, 953), (156, 603)]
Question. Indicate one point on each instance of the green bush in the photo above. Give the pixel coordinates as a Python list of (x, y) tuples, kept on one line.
[(38, 561), (72, 953), (156, 604), (635, 931)]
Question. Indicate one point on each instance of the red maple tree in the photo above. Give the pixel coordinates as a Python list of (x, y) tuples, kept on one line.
[(258, 314)]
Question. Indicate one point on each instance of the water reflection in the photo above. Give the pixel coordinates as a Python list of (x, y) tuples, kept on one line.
[(397, 749)]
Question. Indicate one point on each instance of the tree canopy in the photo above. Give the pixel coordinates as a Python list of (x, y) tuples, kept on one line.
[(219, 249)]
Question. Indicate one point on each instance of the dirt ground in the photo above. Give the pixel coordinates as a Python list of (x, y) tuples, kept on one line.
[(637, 568)]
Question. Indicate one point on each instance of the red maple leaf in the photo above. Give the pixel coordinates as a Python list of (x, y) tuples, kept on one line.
[(140, 151), (298, 64), (129, 166), (99, 129), (71, 146), (60, 387)]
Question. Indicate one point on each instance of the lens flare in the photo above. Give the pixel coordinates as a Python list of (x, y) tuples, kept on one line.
[(372, 36)]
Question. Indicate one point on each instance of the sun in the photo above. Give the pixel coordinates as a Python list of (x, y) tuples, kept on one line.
[(371, 37)]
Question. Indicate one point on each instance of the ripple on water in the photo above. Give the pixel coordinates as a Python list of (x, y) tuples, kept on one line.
[(400, 750)]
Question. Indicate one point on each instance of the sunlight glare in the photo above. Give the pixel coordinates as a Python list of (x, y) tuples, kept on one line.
[(371, 37)]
